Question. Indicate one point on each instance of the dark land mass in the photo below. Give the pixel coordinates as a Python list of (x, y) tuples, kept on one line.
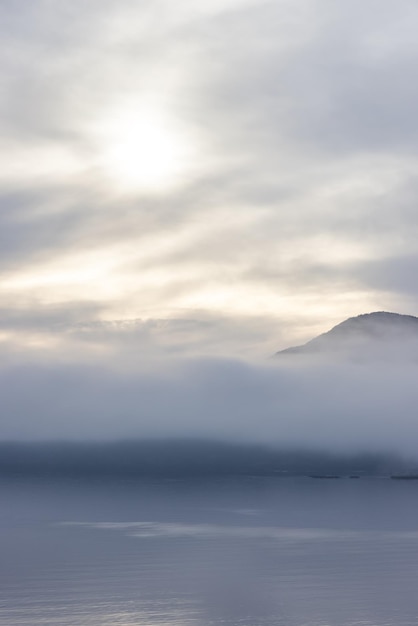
[(191, 458)]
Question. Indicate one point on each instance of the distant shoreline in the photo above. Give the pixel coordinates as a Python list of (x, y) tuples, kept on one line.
[(177, 458)]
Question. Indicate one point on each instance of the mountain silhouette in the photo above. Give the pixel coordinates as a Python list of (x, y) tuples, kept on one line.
[(372, 334)]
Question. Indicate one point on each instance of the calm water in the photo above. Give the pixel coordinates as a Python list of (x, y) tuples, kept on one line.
[(236, 552)]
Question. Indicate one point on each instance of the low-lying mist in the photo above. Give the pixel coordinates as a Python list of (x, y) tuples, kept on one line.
[(337, 407)]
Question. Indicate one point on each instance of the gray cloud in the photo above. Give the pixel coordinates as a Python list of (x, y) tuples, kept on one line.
[(32, 316), (396, 274), (340, 82), (35, 224), (197, 334)]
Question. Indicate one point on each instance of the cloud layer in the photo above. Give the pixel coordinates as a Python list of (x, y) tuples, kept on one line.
[(295, 210)]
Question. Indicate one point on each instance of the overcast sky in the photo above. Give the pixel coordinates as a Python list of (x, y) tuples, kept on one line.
[(234, 175), (208, 181)]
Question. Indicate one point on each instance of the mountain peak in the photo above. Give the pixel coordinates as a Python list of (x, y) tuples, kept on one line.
[(360, 335)]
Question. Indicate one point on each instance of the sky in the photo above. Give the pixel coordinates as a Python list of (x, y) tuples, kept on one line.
[(212, 180), (227, 177)]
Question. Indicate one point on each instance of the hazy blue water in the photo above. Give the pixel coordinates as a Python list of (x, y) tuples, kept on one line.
[(236, 552)]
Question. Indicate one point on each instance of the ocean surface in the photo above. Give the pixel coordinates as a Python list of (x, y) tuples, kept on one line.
[(229, 551)]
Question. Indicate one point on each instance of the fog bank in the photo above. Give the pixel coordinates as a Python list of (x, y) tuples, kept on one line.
[(337, 406)]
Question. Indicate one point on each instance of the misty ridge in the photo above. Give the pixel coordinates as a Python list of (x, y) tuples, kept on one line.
[(379, 336), (343, 403)]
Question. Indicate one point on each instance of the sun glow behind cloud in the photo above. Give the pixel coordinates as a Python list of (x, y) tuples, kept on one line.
[(142, 149)]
